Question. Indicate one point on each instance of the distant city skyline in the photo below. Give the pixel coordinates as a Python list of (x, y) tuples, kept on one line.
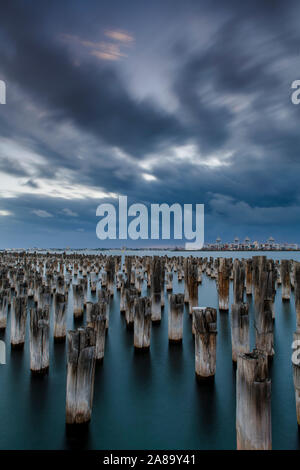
[(218, 245)]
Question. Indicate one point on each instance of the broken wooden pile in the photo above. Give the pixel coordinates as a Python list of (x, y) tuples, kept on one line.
[(55, 291)]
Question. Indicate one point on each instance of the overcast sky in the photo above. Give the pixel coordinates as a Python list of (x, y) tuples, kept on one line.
[(162, 101)]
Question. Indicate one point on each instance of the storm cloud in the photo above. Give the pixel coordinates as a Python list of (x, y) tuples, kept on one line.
[(165, 101)]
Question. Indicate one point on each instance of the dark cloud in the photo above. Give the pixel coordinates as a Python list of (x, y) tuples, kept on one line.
[(92, 95), (12, 168), (31, 183)]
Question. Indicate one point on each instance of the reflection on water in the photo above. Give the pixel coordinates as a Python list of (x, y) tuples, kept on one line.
[(146, 400)]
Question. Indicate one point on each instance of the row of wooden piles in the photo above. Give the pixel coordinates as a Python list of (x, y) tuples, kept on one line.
[(30, 282)]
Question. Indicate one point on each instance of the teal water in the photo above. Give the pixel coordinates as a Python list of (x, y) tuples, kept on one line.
[(147, 401)]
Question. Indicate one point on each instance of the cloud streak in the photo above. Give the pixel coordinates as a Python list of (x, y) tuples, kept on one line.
[(102, 50), (41, 213), (119, 35)]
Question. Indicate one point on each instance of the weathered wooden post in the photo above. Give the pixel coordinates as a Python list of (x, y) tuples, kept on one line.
[(186, 279), (285, 279), (223, 283), (240, 338), (4, 296), (78, 298), (18, 322), (128, 268), (271, 285), (60, 310), (104, 279), (97, 321), (75, 269), (215, 269), (156, 290), (156, 306), (103, 298), (264, 329), (139, 282), (208, 266), (253, 402), (21, 290), (37, 287), (200, 274), (248, 274), (93, 281), (169, 281), (192, 285), (88, 310), (110, 269), (80, 375), (39, 340), (132, 279), (175, 318), (122, 297), (162, 280), (263, 319), (238, 281), (30, 292), (148, 266), (292, 273), (258, 266), (60, 285), (175, 265), (44, 296), (84, 270), (131, 295), (205, 323), (142, 322), (278, 271), (84, 284), (119, 280)]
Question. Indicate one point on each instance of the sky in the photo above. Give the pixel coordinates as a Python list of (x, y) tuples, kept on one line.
[(162, 101)]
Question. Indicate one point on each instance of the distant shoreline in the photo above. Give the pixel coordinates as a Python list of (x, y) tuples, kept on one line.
[(38, 250)]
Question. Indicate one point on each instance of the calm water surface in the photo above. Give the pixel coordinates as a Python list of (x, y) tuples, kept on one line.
[(147, 401)]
